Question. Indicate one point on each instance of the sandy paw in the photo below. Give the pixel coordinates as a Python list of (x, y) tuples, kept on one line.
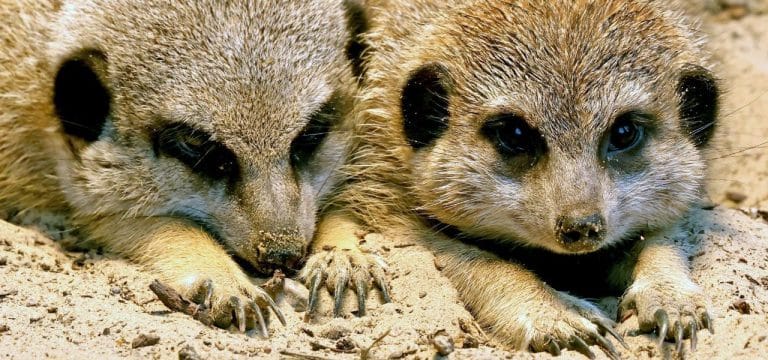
[(566, 322), (235, 303), (676, 311), (339, 270)]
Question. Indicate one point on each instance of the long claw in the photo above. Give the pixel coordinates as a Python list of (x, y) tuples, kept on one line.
[(609, 329), (381, 283), (662, 320), (238, 309), (338, 295), (678, 330), (260, 318), (361, 287), (580, 346), (694, 327), (208, 286), (707, 320), (553, 348), (275, 309), (607, 346), (314, 288)]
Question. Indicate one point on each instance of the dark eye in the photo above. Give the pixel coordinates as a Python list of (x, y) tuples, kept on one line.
[(305, 145), (513, 136), (626, 132), (196, 149)]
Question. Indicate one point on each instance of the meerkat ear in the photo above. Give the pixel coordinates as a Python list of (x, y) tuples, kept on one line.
[(699, 95), (357, 25), (80, 96), (424, 105)]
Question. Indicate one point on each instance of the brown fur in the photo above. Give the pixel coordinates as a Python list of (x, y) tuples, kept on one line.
[(570, 67), (250, 74)]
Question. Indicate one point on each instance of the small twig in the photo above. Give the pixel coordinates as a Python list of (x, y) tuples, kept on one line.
[(401, 246), (302, 356), (275, 283), (174, 301), (365, 353)]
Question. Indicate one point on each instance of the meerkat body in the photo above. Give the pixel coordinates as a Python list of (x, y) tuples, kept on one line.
[(565, 136), (178, 134)]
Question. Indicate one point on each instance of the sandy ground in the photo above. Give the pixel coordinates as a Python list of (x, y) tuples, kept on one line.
[(72, 305)]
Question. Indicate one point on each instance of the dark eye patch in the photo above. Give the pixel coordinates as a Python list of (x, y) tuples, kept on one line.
[(196, 149), (304, 146)]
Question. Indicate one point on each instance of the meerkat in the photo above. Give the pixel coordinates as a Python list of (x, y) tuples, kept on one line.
[(183, 136), (542, 150)]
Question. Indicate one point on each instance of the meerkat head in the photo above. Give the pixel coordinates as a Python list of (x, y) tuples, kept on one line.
[(227, 115), (562, 125)]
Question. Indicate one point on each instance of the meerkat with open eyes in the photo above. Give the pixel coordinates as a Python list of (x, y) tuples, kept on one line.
[(179, 135), (537, 147)]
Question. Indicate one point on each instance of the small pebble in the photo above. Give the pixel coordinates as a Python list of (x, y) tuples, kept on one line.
[(145, 340), (443, 344), (422, 294), (4, 328), (736, 197), (188, 353), (742, 306)]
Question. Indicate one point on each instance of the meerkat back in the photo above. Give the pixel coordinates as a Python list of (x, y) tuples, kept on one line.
[(180, 135)]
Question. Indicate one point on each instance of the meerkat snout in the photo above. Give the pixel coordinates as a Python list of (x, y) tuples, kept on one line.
[(580, 232)]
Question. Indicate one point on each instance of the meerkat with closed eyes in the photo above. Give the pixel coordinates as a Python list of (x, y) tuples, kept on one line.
[(537, 147), (182, 136)]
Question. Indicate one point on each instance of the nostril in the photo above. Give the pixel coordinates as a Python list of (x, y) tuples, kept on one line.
[(572, 230), (571, 237)]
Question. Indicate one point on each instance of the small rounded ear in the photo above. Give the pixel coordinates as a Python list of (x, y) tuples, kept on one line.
[(699, 103), (424, 105), (357, 25), (80, 96)]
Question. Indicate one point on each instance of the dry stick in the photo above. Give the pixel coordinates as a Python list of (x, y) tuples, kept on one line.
[(364, 353), (302, 356), (174, 301)]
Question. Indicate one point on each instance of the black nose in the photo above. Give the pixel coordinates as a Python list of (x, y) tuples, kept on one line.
[(284, 258), (572, 230)]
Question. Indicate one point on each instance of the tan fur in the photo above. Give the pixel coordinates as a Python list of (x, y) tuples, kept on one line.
[(248, 73), (571, 67)]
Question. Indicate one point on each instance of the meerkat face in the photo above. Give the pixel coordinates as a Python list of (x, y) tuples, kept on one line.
[(226, 115), (570, 133)]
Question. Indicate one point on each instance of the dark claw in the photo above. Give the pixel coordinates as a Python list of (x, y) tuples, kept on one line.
[(338, 295), (607, 347), (577, 344), (707, 320), (260, 319), (609, 329), (314, 288), (361, 287), (662, 320), (678, 330), (694, 328), (381, 283), (238, 310), (553, 348), (274, 308)]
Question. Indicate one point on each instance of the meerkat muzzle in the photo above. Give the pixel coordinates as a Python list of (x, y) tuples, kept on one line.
[(580, 233)]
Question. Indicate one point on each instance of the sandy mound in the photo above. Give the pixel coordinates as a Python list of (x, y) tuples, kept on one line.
[(61, 304)]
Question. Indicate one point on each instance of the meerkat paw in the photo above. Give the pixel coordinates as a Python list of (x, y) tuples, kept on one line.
[(235, 302), (676, 312), (565, 322), (339, 269)]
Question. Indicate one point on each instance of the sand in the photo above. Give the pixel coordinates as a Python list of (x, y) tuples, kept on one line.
[(71, 305)]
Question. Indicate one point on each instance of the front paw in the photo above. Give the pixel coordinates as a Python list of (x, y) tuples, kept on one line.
[(675, 311), (232, 300), (560, 322), (340, 269)]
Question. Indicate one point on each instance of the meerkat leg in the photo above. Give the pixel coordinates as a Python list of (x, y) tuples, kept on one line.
[(189, 260), (522, 311), (661, 292), (338, 262)]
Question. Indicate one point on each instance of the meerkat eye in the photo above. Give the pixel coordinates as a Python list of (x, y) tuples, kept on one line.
[(196, 149), (627, 132), (306, 144), (513, 136)]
